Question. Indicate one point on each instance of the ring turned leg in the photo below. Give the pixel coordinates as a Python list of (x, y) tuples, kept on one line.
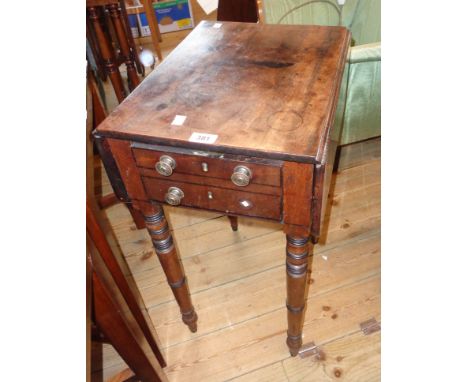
[(106, 52), (162, 240), (297, 252)]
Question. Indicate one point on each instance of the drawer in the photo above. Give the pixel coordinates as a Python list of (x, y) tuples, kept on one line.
[(213, 182), (213, 166), (222, 200)]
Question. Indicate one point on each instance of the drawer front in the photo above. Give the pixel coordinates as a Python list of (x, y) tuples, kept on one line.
[(217, 199), (221, 167), (214, 182)]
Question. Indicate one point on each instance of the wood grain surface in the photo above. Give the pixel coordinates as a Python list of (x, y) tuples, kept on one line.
[(267, 174), (264, 90), (222, 200)]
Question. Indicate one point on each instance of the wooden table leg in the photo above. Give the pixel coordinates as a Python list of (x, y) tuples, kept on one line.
[(297, 252), (233, 221), (163, 243)]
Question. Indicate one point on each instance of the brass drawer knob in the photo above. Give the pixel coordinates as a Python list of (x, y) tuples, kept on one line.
[(174, 196), (241, 176), (165, 165)]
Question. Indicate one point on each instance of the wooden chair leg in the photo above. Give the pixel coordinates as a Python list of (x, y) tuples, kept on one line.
[(125, 375), (124, 45), (233, 220), (163, 244), (113, 325), (154, 27), (107, 201), (106, 52), (133, 50), (297, 252), (99, 238), (137, 216)]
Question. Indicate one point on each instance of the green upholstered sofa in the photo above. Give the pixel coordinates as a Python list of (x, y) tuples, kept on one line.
[(362, 18)]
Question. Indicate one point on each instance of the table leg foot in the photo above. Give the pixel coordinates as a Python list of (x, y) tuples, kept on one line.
[(297, 252), (163, 243), (190, 319), (294, 344), (233, 221)]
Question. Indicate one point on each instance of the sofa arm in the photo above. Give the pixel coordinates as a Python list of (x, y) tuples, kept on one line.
[(365, 53), (362, 110)]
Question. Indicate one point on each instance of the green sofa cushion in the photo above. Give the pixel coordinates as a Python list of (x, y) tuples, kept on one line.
[(362, 112)]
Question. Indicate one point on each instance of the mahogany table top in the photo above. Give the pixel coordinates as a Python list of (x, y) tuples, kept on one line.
[(251, 89)]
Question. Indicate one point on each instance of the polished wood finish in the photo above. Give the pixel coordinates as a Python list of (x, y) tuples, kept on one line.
[(238, 10), (170, 262), (111, 169), (128, 171), (112, 44), (133, 50), (263, 172), (136, 334), (116, 308), (318, 202), (124, 44), (107, 55), (213, 181), (269, 94), (266, 91), (137, 217), (222, 200), (97, 112), (98, 237), (297, 252), (100, 3), (111, 322), (297, 178)]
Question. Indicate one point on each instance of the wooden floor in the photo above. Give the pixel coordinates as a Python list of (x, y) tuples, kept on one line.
[(237, 280)]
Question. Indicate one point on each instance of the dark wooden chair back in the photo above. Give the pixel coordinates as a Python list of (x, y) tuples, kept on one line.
[(111, 43)]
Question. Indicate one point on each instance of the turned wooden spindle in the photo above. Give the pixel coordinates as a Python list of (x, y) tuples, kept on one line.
[(162, 241), (297, 252), (154, 27), (106, 52), (116, 17)]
